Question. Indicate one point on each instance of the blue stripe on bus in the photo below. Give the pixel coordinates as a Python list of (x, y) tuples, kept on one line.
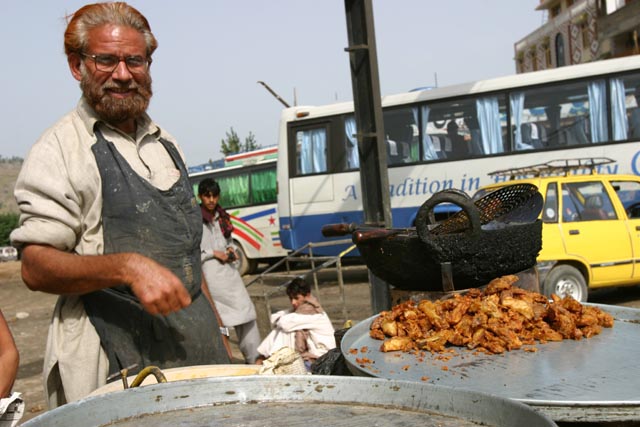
[(259, 214), (296, 232)]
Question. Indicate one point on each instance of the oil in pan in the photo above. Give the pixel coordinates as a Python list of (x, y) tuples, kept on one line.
[(260, 400)]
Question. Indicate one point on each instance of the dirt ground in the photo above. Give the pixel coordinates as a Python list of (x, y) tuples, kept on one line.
[(28, 314)]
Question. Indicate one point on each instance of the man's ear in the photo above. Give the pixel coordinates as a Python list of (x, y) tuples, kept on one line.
[(75, 63)]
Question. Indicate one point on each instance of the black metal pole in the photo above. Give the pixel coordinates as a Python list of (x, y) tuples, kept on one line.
[(374, 179)]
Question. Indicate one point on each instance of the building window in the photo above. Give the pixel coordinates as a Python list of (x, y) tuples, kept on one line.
[(560, 50), (584, 32), (547, 56)]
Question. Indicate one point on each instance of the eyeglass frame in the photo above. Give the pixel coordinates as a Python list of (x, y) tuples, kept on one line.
[(124, 58)]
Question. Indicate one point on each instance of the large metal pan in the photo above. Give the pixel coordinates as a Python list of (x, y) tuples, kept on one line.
[(292, 401), (595, 379)]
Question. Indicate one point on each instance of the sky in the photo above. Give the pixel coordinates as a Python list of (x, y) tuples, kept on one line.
[(212, 53)]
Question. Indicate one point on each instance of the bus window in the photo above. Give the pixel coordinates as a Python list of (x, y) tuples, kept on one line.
[(401, 139), (559, 116), (263, 188), (625, 107), (463, 128), (351, 143), (311, 151), (234, 190)]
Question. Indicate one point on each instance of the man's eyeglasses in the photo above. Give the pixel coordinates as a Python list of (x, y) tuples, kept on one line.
[(108, 63)]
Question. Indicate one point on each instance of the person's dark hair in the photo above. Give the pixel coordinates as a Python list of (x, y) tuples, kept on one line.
[(298, 286), (452, 126), (208, 185), (76, 36)]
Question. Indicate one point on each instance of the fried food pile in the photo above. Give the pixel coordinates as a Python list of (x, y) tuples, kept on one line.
[(499, 318)]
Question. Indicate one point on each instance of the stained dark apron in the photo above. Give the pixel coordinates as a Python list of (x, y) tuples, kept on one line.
[(165, 226)]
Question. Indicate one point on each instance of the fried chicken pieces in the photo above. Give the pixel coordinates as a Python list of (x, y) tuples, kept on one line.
[(499, 318)]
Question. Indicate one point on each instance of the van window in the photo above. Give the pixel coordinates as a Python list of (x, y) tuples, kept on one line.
[(550, 210), (629, 194), (590, 200)]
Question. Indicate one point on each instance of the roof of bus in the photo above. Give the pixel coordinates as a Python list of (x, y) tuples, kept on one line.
[(589, 69), (227, 168), (264, 151)]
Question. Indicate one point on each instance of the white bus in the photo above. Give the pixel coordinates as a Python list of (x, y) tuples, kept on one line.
[(248, 192), (452, 137)]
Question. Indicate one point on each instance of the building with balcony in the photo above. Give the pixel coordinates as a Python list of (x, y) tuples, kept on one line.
[(578, 31)]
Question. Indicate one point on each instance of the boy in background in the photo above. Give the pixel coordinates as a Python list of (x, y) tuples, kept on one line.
[(305, 328)]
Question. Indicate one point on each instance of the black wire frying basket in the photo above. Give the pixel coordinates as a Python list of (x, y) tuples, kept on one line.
[(498, 234), (512, 203)]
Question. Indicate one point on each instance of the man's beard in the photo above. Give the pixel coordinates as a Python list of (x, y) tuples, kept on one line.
[(116, 110)]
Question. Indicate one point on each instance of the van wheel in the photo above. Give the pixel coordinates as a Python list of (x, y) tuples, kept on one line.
[(245, 265), (565, 280)]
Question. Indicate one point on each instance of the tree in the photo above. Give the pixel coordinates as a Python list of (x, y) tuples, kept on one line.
[(7, 223), (250, 142), (231, 144)]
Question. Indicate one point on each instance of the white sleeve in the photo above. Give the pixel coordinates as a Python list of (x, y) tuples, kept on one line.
[(276, 316), (49, 202), (296, 322), (206, 247)]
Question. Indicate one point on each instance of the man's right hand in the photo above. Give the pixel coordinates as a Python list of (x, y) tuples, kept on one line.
[(48, 269), (158, 289)]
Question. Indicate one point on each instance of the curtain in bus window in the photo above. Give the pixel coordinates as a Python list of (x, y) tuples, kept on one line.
[(489, 118), (234, 191), (263, 186), (516, 100), (619, 110), (353, 161), (597, 111), (313, 144), (428, 152)]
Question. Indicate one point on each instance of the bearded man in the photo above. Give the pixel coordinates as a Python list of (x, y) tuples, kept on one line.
[(109, 220)]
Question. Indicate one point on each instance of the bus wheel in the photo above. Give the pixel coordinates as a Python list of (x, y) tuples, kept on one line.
[(565, 280), (245, 265)]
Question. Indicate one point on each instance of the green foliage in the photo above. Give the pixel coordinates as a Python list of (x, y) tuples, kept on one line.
[(8, 222), (231, 144), (250, 143), (13, 159)]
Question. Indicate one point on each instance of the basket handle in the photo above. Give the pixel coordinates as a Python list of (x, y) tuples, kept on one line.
[(426, 217)]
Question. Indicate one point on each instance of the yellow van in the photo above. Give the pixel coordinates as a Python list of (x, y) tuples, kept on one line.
[(591, 224)]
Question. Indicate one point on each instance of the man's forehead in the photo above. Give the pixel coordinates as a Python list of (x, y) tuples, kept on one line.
[(110, 38)]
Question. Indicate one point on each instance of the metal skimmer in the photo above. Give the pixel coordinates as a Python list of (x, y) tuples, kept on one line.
[(512, 203)]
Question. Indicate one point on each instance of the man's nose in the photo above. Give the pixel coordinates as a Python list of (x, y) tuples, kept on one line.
[(121, 72)]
